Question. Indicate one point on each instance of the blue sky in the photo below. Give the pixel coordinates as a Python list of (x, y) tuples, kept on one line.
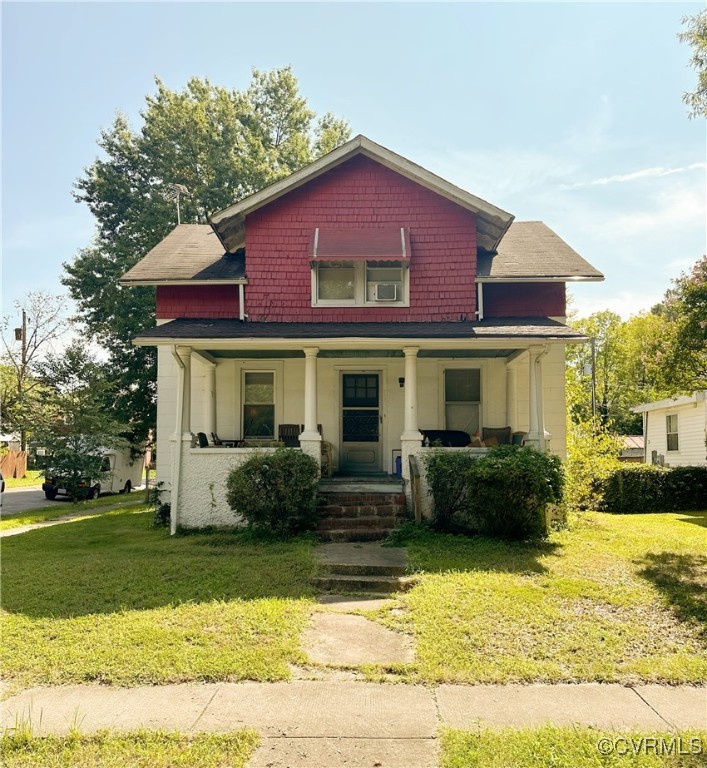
[(569, 113)]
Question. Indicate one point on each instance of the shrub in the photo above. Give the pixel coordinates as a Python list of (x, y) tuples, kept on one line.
[(511, 489), (276, 491), (592, 454), (646, 488), (447, 477)]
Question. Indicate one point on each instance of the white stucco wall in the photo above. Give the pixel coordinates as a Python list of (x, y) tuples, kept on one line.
[(692, 432)]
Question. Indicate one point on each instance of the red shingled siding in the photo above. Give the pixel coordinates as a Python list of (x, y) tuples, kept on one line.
[(197, 301), (524, 300), (360, 193)]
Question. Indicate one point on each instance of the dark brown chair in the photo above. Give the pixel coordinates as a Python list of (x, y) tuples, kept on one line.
[(203, 440), (501, 435), (288, 434)]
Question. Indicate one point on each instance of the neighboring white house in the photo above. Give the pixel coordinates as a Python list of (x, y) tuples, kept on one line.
[(676, 429)]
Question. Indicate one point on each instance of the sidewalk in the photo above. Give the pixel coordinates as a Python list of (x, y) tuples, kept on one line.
[(331, 723)]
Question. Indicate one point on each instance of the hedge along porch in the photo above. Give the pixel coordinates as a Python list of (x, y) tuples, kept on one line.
[(215, 375)]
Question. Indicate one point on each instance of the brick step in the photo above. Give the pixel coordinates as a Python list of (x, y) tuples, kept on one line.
[(352, 569), (362, 498), (344, 583), (370, 521), (364, 510)]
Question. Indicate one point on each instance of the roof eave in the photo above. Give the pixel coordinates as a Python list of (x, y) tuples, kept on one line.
[(186, 281), (543, 279)]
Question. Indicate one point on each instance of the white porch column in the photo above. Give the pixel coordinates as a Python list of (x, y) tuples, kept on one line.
[(537, 436), (411, 437), (511, 398), (310, 439), (210, 399), (182, 437)]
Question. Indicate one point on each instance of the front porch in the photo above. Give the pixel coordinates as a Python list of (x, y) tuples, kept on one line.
[(365, 401)]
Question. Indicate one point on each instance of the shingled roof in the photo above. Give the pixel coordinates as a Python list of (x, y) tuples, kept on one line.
[(190, 253), (531, 250), (235, 330)]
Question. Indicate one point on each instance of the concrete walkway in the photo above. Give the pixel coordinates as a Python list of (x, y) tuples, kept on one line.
[(335, 723)]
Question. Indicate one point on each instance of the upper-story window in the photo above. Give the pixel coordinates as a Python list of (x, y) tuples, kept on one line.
[(360, 268)]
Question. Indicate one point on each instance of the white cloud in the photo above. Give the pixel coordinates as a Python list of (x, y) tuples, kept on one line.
[(624, 303), (644, 173)]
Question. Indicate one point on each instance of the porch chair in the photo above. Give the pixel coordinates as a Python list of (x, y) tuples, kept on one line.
[(289, 435), (203, 440), (496, 435)]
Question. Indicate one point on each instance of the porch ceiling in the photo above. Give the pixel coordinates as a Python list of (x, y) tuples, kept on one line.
[(261, 354)]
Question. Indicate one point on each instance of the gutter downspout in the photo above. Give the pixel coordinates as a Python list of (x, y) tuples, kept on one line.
[(241, 301), (480, 301), (541, 397), (177, 466)]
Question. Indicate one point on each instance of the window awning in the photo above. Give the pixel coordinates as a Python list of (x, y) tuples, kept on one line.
[(369, 244)]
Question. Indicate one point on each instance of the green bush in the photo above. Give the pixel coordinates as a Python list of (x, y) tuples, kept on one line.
[(450, 488), (511, 489), (505, 493), (592, 454), (276, 491), (646, 488)]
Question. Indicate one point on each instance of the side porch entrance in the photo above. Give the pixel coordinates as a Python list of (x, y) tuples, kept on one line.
[(360, 450)]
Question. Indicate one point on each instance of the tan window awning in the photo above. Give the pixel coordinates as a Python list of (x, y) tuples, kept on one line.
[(369, 244)]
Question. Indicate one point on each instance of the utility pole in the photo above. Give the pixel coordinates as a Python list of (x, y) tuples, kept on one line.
[(22, 332), (594, 381)]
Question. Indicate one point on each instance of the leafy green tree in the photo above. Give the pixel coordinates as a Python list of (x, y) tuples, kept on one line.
[(695, 35), (28, 337), (219, 144), (685, 310), (77, 426)]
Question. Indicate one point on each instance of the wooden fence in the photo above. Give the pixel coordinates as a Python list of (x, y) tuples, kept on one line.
[(13, 464)]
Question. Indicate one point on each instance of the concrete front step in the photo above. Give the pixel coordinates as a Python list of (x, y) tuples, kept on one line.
[(362, 510), (360, 569), (357, 583), (332, 523), (353, 534), (364, 497)]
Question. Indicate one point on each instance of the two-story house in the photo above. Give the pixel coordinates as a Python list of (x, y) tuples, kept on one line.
[(358, 300)]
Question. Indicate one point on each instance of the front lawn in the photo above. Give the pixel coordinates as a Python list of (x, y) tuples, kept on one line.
[(141, 749), (32, 477), (615, 598), (53, 510), (111, 600), (553, 747)]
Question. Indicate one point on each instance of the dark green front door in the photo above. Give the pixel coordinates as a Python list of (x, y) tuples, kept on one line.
[(360, 423)]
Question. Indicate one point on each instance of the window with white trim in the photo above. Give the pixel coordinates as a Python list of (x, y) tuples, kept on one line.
[(671, 431), (462, 399), (258, 405), (360, 283)]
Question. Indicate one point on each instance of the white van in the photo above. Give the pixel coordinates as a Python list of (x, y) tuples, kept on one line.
[(122, 475)]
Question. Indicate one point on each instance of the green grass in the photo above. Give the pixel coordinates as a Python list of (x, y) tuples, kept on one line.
[(109, 599), (56, 509), (615, 598), (553, 747), (141, 749), (32, 477)]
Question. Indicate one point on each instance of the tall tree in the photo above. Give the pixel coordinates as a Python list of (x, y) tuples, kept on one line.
[(220, 145), (685, 309), (77, 427), (695, 35), (28, 337)]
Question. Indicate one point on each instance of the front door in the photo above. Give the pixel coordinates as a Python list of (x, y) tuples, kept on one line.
[(360, 423)]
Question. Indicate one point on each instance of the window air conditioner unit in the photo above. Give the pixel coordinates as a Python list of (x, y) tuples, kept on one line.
[(385, 292)]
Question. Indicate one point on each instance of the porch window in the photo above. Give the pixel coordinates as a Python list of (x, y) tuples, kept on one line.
[(462, 399), (259, 405), (671, 429)]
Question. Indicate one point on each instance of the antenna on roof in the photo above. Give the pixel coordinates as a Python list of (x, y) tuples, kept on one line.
[(174, 192)]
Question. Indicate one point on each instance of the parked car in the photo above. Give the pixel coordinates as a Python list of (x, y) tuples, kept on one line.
[(119, 473), (2, 490)]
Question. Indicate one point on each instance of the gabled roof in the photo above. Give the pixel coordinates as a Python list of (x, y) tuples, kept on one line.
[(491, 222), (189, 254), (530, 250)]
